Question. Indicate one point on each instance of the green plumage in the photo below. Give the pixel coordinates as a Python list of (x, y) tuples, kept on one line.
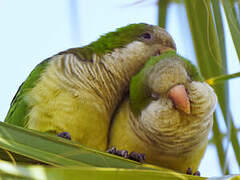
[(168, 115), (105, 44), (17, 114), (119, 38), (112, 40), (78, 90)]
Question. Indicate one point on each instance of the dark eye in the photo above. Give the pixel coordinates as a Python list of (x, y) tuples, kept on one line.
[(146, 36), (155, 96)]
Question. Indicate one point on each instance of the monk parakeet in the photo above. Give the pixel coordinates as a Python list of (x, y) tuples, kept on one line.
[(77, 90), (168, 115)]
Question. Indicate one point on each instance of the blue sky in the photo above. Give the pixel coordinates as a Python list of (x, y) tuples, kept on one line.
[(31, 31)]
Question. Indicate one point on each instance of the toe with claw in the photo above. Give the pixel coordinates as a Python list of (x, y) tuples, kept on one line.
[(122, 153), (139, 157), (64, 135), (189, 171)]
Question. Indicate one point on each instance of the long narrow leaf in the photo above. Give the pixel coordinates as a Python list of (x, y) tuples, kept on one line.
[(217, 138), (233, 23), (54, 150), (44, 173), (222, 78), (48, 149), (234, 26), (207, 49), (235, 142), (162, 12), (9, 171), (219, 29)]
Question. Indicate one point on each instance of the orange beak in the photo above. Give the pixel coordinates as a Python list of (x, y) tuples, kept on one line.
[(180, 99)]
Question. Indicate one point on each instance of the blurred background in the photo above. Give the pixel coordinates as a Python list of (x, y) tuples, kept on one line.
[(31, 31)]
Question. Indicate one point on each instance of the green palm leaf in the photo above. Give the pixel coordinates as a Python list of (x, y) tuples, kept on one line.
[(27, 145), (208, 37), (36, 172), (233, 23), (30, 146), (162, 12), (43, 173)]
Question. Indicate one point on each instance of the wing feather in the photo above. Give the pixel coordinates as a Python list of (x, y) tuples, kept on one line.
[(19, 108)]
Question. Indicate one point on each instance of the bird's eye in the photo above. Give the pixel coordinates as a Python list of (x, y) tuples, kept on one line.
[(146, 36), (155, 96)]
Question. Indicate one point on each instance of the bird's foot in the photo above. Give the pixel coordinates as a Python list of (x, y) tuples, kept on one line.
[(189, 171), (121, 153), (139, 157), (64, 135)]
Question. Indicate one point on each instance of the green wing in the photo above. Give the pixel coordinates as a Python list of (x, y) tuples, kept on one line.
[(19, 108)]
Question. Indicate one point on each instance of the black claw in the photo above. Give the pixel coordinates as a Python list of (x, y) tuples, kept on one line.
[(64, 135), (112, 150), (122, 153), (140, 157), (197, 173), (189, 171)]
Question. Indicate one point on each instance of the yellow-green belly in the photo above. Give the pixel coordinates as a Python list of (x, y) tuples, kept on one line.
[(123, 137), (60, 109)]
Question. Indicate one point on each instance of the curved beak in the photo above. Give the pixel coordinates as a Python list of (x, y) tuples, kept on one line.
[(179, 97)]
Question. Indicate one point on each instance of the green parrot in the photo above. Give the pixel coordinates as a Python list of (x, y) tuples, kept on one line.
[(76, 91), (168, 115)]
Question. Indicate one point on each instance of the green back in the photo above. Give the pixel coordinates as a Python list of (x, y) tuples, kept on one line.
[(110, 41), (19, 109), (140, 93)]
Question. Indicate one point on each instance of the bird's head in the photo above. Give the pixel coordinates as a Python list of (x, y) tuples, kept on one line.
[(165, 76), (153, 38), (169, 99), (170, 78), (127, 48)]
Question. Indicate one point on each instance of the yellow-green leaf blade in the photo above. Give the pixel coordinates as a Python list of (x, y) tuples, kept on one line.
[(222, 78), (162, 12), (233, 23), (208, 52), (90, 173), (57, 151)]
